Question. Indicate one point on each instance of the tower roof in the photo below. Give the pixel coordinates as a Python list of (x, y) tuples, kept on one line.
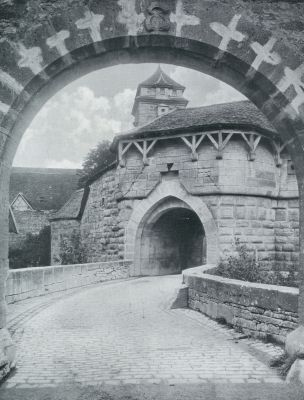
[(235, 115), (159, 79)]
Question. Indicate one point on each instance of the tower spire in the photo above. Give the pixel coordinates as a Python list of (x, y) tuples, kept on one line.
[(157, 95)]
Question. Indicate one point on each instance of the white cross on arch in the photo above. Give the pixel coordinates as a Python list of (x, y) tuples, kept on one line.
[(30, 58), (91, 21), (228, 33), (180, 18), (264, 54), (294, 78), (58, 40)]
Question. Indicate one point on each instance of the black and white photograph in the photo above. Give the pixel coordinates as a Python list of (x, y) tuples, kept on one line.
[(151, 200)]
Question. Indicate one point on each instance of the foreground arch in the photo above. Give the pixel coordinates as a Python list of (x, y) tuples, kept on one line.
[(230, 42)]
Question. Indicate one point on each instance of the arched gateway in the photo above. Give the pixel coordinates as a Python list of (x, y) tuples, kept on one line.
[(169, 196), (229, 41)]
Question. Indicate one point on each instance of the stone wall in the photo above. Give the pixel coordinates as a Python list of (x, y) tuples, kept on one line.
[(254, 201), (264, 311), (31, 282), (146, 112), (269, 227), (102, 227), (286, 233), (234, 173)]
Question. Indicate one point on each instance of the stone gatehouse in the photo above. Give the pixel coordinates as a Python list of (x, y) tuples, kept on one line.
[(186, 184)]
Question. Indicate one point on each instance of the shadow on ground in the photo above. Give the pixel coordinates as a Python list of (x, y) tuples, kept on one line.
[(160, 392)]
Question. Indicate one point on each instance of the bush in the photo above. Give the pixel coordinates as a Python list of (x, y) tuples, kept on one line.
[(72, 251), (245, 267), (35, 251), (242, 265)]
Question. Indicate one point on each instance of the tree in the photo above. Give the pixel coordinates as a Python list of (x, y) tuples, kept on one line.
[(35, 250), (97, 159)]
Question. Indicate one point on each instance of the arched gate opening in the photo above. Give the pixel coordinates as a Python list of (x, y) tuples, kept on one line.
[(171, 241)]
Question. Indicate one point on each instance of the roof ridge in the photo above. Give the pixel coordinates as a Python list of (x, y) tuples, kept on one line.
[(156, 77), (220, 104), (187, 109)]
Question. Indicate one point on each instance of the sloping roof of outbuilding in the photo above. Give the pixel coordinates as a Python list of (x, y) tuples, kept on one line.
[(43, 188), (74, 207), (235, 115)]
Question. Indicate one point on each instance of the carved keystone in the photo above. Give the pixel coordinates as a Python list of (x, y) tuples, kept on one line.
[(158, 18)]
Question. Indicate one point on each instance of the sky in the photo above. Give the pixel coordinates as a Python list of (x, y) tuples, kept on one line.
[(98, 106)]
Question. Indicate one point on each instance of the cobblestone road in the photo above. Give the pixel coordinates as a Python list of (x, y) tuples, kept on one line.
[(125, 333)]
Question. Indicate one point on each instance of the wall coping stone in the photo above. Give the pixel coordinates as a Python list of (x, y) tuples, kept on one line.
[(25, 283), (11, 271), (260, 310), (201, 272)]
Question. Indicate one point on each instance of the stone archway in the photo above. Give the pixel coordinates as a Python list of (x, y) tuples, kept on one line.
[(171, 239), (168, 195), (237, 42)]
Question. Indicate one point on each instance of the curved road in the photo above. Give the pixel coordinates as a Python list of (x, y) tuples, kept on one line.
[(124, 333)]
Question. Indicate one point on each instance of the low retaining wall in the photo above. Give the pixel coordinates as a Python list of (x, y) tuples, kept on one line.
[(31, 282), (265, 311)]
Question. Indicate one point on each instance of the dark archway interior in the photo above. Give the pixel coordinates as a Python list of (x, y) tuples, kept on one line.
[(175, 241)]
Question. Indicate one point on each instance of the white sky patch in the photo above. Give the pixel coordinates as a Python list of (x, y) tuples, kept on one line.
[(123, 101), (203, 90), (98, 106), (67, 127)]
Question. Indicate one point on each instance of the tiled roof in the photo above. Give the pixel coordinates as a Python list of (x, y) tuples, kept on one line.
[(241, 114), (72, 208), (160, 78), (44, 188)]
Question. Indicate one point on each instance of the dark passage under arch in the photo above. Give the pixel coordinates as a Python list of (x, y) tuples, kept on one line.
[(175, 241)]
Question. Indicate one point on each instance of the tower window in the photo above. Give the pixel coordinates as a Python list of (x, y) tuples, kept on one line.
[(162, 90), (162, 110), (174, 92)]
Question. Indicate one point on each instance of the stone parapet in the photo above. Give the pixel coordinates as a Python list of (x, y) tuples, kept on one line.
[(31, 282), (259, 310)]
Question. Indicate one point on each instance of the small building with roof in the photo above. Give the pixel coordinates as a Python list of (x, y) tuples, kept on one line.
[(34, 194), (188, 183)]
